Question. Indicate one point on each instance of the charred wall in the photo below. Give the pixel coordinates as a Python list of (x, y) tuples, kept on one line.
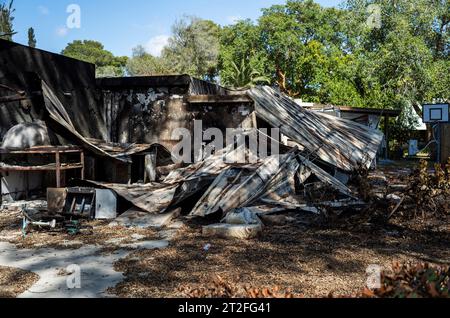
[(22, 68), (149, 109)]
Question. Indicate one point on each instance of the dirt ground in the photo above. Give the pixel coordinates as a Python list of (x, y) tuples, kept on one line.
[(308, 261), (14, 281), (311, 257), (99, 233)]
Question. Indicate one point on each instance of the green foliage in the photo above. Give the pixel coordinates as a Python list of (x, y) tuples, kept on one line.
[(240, 43), (331, 55), (406, 53), (31, 38), (6, 20), (95, 53), (193, 48), (245, 76), (144, 64)]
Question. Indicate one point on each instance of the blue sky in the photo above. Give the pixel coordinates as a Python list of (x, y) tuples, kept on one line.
[(121, 25)]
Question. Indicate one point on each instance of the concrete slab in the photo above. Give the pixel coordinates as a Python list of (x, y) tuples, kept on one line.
[(97, 273), (96, 270)]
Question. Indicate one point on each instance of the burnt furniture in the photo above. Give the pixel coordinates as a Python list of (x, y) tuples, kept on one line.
[(87, 203), (57, 165)]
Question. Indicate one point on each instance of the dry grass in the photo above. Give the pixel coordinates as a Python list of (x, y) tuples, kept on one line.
[(14, 282)]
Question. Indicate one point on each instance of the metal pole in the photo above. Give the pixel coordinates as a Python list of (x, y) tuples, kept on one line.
[(438, 147)]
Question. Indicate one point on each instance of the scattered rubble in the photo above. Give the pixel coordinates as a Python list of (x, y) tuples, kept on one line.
[(301, 178)]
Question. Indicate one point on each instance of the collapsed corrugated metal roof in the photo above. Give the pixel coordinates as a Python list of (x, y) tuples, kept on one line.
[(229, 186), (342, 143), (270, 182)]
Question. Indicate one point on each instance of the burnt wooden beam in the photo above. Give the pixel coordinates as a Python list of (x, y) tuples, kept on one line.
[(219, 99), (43, 150)]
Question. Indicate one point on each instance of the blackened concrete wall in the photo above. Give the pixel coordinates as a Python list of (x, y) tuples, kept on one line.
[(149, 109)]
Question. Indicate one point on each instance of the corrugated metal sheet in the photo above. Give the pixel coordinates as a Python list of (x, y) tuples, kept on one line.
[(271, 181), (152, 197), (342, 143)]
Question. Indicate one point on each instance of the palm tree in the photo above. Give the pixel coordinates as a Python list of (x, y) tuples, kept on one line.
[(244, 76)]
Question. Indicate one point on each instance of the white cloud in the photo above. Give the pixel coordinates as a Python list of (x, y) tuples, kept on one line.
[(62, 31), (43, 10), (157, 44), (234, 19)]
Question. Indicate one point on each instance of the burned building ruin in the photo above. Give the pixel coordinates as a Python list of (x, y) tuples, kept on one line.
[(58, 123)]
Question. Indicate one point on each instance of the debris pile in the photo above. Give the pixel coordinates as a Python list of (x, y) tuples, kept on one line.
[(241, 194), (427, 193)]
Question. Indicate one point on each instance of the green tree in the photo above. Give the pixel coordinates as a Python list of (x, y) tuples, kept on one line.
[(6, 20), (193, 48), (407, 55), (145, 64), (31, 38), (333, 55), (245, 76), (299, 46), (95, 53), (240, 43)]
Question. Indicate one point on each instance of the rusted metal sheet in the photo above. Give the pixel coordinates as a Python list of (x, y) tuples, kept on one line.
[(180, 185), (119, 150), (59, 114), (210, 167), (342, 143)]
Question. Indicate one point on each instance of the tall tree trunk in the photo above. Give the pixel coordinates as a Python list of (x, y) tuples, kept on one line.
[(281, 81)]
